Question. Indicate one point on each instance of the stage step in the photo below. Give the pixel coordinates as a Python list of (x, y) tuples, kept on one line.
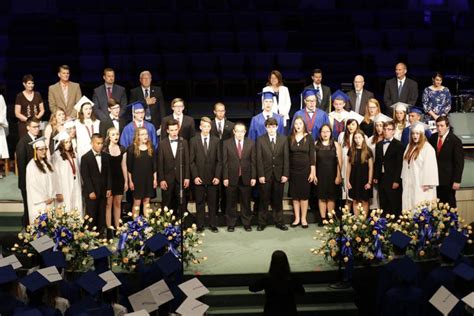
[(10, 218), (347, 309)]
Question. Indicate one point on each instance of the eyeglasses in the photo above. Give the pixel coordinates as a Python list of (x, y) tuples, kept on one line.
[(388, 129)]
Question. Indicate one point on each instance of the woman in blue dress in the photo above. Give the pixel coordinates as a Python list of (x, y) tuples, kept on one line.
[(436, 98)]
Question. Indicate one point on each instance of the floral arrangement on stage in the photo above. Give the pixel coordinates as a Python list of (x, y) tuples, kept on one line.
[(70, 233), (132, 235), (361, 239)]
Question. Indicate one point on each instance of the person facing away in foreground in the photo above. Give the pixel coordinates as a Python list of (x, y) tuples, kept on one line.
[(280, 287)]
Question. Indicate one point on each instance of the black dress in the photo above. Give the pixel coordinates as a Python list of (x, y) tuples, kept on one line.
[(359, 177), (326, 171), (142, 169), (116, 172), (367, 128), (301, 160)]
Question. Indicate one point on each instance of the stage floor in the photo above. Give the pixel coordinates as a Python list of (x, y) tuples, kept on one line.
[(244, 252)]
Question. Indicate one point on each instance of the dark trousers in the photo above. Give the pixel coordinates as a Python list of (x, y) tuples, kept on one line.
[(271, 193), (222, 198), (96, 210), (25, 220), (171, 198), (446, 194), (206, 194), (390, 199), (314, 202), (238, 193)]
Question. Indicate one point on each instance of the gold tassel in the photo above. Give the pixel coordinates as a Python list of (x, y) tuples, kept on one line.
[(34, 153)]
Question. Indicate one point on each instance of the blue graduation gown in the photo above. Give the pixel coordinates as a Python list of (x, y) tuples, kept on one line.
[(126, 139), (321, 119), (257, 126), (403, 301), (406, 135)]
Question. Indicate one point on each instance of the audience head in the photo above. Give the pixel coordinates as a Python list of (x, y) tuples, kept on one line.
[(275, 78), (442, 125), (359, 82), (205, 125), (400, 71), (97, 142), (109, 76), (177, 105), (63, 73), (219, 110), (28, 82), (317, 76), (33, 126), (437, 79), (145, 79), (279, 266), (172, 128), (239, 131), (271, 125)]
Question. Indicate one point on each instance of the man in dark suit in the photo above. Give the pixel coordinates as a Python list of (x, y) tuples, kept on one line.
[(450, 158), (239, 173), (399, 89), (358, 97), (173, 168), (206, 168), (187, 129), (106, 91), (112, 119), (24, 153), (273, 171), (324, 94), (97, 181), (152, 97), (388, 169)]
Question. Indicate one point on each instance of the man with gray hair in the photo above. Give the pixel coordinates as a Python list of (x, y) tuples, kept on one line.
[(152, 98), (358, 97)]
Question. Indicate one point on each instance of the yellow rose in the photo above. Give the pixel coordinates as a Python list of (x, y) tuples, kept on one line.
[(125, 260)]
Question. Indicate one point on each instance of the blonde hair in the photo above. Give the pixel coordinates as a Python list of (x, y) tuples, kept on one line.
[(136, 143), (364, 155), (414, 149), (367, 115), (53, 121)]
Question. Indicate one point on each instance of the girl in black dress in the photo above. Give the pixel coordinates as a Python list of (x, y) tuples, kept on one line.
[(371, 110), (141, 167), (359, 172), (328, 170), (302, 170), (118, 170)]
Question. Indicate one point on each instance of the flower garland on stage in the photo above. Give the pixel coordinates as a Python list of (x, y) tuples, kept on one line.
[(72, 235), (355, 238)]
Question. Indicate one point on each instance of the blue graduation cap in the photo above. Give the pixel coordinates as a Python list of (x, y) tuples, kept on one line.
[(399, 239), (130, 108), (34, 281), (156, 242), (25, 311), (464, 271), (267, 95), (7, 274), (339, 95), (453, 244), (309, 92), (91, 282), (101, 258), (54, 258), (415, 109), (168, 264), (406, 270)]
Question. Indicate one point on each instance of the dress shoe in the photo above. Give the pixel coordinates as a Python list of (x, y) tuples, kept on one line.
[(260, 228), (281, 226), (304, 226), (200, 229), (295, 225), (231, 229), (248, 228), (213, 229)]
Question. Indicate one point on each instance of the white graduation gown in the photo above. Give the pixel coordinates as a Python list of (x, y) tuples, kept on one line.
[(420, 172), (3, 129), (83, 137), (39, 188), (374, 201), (65, 183)]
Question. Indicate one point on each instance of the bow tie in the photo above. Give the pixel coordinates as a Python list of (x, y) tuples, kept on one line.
[(385, 142), (173, 140), (97, 155)]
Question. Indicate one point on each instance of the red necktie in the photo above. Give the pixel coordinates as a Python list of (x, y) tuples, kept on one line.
[(109, 92), (440, 144), (239, 152)]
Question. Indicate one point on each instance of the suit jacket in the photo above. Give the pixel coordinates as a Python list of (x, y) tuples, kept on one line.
[(24, 153), (231, 162), (100, 100), (187, 129), (326, 101), (94, 180), (409, 93), (366, 95), (107, 123), (206, 167), (158, 109), (450, 159), (227, 131), (392, 161), (273, 164), (169, 166), (56, 98)]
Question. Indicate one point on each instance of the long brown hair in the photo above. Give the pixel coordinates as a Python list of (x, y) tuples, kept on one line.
[(367, 115), (414, 149), (293, 130), (63, 152), (347, 135), (364, 155), (404, 120), (278, 75), (54, 122), (41, 167), (136, 143), (376, 137), (80, 114)]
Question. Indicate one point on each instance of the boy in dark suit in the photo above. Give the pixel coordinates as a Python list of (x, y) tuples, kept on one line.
[(273, 172), (173, 168), (206, 168), (388, 169), (239, 176), (187, 129), (24, 153), (112, 119), (97, 181), (450, 158)]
